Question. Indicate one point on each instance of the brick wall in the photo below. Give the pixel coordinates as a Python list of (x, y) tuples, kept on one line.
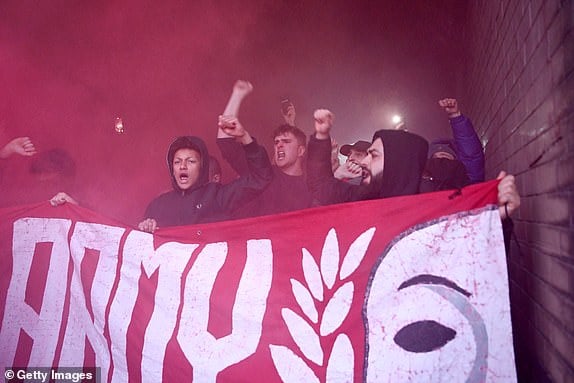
[(519, 91)]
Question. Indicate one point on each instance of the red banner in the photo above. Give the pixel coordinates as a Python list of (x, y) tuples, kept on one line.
[(402, 289)]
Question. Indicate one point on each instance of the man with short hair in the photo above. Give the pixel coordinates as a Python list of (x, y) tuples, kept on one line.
[(289, 144), (288, 190)]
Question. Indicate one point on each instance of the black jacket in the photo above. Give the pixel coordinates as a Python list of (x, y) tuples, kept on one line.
[(443, 174), (283, 194), (404, 155), (207, 201)]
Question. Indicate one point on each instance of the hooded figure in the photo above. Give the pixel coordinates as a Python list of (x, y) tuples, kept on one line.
[(404, 161), (193, 143), (393, 167), (443, 170), (194, 199), (443, 174)]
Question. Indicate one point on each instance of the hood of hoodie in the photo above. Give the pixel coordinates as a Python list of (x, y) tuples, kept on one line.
[(197, 144), (405, 157)]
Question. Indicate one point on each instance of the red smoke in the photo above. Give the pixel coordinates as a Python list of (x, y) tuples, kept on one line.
[(70, 68)]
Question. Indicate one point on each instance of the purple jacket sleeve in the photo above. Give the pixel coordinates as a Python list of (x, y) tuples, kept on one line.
[(468, 148)]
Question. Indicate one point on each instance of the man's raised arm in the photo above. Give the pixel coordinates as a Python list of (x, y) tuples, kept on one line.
[(230, 150), (467, 144), (240, 90)]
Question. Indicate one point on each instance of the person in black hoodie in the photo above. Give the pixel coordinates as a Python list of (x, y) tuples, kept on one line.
[(389, 170), (393, 167), (196, 200), (443, 170)]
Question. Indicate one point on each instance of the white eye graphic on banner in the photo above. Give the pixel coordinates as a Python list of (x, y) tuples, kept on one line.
[(427, 302)]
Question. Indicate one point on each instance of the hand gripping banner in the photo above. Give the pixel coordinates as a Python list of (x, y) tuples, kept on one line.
[(403, 289)]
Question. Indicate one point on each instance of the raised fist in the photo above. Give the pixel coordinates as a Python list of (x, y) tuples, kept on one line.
[(242, 88), (323, 122)]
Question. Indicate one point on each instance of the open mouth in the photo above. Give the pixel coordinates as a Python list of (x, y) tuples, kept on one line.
[(280, 155), (183, 177)]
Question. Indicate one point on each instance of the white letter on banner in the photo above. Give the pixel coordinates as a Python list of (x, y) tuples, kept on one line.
[(105, 239), (43, 328), (170, 258), (208, 355)]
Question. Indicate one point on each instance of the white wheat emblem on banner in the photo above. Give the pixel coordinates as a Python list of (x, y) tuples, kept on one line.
[(320, 280)]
